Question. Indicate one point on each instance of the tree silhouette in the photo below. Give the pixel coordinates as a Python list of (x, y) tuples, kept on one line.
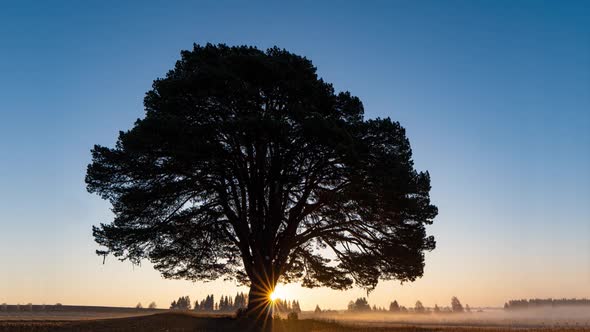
[(393, 306), (183, 303), (361, 304), (296, 307), (419, 307), (456, 304), (317, 310), (248, 166)]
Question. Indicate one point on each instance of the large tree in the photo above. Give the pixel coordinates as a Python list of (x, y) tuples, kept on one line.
[(247, 166)]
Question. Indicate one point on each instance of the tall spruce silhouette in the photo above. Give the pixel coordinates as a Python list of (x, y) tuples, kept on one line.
[(248, 166)]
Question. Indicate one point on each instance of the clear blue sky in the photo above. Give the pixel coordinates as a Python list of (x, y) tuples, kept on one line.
[(495, 96)]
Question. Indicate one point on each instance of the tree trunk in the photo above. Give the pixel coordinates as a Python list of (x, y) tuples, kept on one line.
[(258, 300), (259, 304)]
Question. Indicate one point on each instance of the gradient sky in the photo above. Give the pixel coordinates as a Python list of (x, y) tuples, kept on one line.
[(495, 97)]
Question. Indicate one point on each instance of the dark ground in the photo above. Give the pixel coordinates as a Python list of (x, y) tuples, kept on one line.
[(184, 322)]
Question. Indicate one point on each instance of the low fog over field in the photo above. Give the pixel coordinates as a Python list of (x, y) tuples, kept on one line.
[(537, 317)]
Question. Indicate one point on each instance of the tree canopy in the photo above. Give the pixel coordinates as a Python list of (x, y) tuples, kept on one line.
[(248, 166)]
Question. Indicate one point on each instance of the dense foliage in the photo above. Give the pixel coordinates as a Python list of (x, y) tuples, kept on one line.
[(248, 166)]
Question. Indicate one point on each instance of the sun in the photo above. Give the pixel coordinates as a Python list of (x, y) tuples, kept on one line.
[(274, 296), (277, 293)]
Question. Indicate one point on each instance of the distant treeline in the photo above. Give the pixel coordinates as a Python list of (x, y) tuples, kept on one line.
[(225, 304), (58, 307), (229, 304), (537, 303), (362, 305), (29, 307)]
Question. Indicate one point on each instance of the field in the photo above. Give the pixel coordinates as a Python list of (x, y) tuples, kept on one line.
[(541, 318), (163, 320), (75, 313)]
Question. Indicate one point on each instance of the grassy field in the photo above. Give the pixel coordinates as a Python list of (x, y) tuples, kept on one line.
[(180, 322)]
